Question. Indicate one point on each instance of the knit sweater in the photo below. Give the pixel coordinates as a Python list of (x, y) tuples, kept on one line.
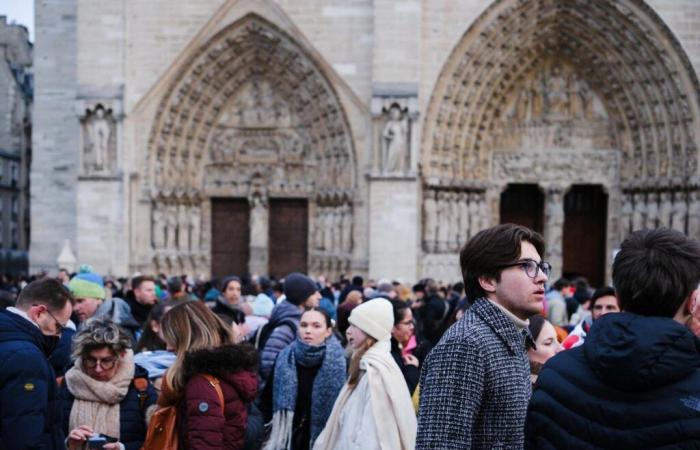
[(475, 384)]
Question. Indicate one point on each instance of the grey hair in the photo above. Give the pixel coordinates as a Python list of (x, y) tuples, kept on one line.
[(99, 333)]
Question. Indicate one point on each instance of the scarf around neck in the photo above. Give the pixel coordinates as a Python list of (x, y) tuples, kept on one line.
[(97, 402), (327, 384)]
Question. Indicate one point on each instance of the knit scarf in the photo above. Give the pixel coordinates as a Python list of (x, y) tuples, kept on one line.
[(97, 402), (327, 384), (390, 402)]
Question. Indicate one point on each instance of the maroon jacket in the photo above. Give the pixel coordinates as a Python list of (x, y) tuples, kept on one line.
[(201, 422)]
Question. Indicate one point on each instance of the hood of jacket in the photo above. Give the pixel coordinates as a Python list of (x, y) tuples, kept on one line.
[(233, 364), (285, 310), (14, 327), (639, 353)]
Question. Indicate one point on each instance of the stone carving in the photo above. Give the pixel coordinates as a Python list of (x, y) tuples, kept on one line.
[(625, 223), (159, 227), (474, 222), (394, 141), (171, 228), (346, 227), (665, 209), (451, 218), (99, 143), (679, 212), (552, 166), (333, 229), (554, 225), (258, 221), (652, 210), (639, 216), (430, 224), (443, 221), (195, 234), (694, 215), (463, 233)]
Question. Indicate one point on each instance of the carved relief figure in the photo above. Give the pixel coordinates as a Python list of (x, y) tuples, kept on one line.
[(679, 212), (98, 144), (694, 215), (195, 220), (557, 101), (394, 141), (258, 221), (183, 228), (318, 229), (484, 212), (430, 221), (336, 224), (474, 222), (652, 210), (454, 222), (665, 209), (159, 228), (463, 218), (347, 229), (625, 216), (171, 235), (639, 216), (328, 230), (443, 222)]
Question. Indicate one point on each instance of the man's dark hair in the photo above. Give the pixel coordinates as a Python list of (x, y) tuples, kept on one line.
[(490, 250), (399, 307), (603, 292), (655, 272), (561, 283), (137, 281), (45, 291), (358, 280), (174, 285)]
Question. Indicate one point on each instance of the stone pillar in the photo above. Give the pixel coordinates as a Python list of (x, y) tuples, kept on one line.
[(554, 228), (259, 235)]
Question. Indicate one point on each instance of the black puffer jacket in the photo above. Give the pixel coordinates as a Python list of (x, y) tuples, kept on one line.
[(634, 384)]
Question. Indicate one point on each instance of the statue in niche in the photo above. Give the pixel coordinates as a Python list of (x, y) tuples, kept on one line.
[(159, 228), (639, 215), (258, 221), (557, 100), (195, 220), (257, 107), (443, 222), (98, 145), (652, 210), (430, 221), (484, 212), (463, 235), (171, 217), (625, 215), (474, 222), (394, 141), (665, 209), (679, 212), (328, 230), (576, 100), (183, 228), (454, 222), (318, 229), (694, 215), (336, 223), (347, 229)]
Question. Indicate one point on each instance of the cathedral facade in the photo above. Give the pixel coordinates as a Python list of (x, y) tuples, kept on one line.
[(365, 136)]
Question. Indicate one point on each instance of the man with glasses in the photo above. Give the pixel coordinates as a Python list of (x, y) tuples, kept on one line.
[(29, 332), (475, 384)]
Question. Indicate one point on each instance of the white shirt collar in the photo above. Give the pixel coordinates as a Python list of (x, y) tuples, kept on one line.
[(21, 313)]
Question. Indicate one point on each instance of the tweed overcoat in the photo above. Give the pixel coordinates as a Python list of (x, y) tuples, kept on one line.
[(475, 384)]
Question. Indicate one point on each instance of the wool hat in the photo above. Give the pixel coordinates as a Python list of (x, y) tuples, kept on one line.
[(262, 305), (87, 285), (375, 317), (298, 287)]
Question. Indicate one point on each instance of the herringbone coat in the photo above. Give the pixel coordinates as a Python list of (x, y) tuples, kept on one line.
[(475, 384)]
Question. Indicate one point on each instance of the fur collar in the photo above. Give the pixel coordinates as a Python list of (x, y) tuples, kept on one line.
[(221, 361)]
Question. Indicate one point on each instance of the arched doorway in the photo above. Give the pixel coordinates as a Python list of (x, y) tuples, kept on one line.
[(523, 204), (251, 117)]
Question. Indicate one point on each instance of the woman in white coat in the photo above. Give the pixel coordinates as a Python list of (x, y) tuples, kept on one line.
[(373, 410)]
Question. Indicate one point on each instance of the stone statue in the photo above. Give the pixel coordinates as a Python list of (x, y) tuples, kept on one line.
[(394, 140), (258, 221), (347, 229), (336, 224), (694, 215), (443, 222), (474, 220), (160, 227), (639, 216), (430, 222), (454, 222), (318, 229), (171, 234), (665, 209), (625, 216), (484, 212), (98, 145), (328, 230), (463, 218), (183, 229), (679, 212), (195, 221), (556, 93), (652, 210)]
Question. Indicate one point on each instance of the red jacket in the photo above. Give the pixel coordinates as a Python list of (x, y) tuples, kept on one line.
[(201, 422)]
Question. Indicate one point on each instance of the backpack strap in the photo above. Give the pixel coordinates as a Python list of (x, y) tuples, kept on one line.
[(141, 385), (217, 387)]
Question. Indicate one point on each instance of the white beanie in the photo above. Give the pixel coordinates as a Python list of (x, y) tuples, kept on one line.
[(375, 317)]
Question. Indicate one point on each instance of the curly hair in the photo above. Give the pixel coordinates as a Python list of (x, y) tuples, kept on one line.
[(100, 333)]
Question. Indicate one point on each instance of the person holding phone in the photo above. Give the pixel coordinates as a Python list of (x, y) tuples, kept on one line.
[(105, 396)]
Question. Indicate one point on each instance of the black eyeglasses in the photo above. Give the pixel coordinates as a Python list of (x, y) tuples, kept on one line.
[(532, 267), (60, 328), (106, 363)]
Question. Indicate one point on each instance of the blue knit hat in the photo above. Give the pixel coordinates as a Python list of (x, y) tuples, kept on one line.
[(87, 285)]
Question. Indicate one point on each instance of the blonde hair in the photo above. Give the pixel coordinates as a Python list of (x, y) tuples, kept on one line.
[(191, 326), (354, 369)]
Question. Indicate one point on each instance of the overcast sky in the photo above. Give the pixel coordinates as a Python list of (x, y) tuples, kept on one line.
[(21, 12)]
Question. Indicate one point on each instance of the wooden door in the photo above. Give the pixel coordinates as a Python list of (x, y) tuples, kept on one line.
[(230, 234), (523, 204), (289, 228), (585, 224)]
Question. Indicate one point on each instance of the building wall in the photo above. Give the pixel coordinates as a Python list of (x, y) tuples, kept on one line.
[(121, 54)]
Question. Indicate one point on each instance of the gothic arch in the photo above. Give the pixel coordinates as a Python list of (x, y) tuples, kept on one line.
[(621, 49), (196, 116)]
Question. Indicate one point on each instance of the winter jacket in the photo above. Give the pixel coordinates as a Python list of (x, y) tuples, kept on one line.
[(30, 416), (633, 384), (410, 373), (433, 317), (200, 420), (282, 336), (475, 384), (226, 312), (132, 412), (138, 311)]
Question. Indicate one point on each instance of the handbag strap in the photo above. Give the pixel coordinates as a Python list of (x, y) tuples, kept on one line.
[(217, 387)]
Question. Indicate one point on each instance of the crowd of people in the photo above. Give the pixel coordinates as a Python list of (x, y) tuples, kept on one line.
[(504, 359)]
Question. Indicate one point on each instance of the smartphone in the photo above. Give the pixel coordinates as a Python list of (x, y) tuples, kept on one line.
[(98, 441)]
